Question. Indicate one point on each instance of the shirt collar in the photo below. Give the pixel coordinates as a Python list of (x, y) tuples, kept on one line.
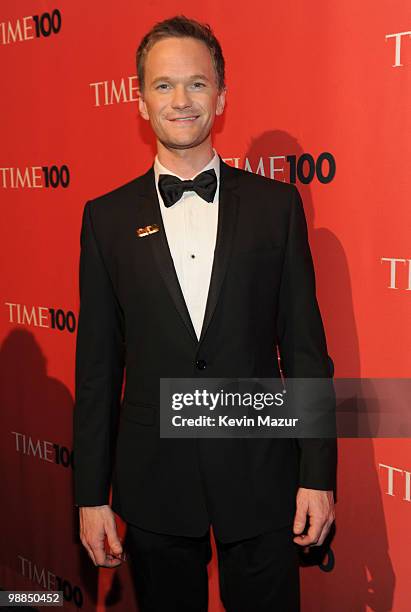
[(213, 163)]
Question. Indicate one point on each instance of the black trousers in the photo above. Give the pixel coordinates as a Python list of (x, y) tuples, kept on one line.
[(259, 574)]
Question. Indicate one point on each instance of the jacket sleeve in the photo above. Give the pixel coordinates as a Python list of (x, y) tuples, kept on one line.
[(302, 343), (98, 373)]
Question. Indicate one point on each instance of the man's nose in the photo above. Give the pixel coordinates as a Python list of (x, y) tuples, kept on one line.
[(181, 99)]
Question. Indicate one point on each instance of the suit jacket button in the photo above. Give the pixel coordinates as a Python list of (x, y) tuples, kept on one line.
[(201, 364)]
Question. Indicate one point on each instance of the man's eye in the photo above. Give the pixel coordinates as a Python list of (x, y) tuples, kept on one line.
[(198, 85), (162, 86)]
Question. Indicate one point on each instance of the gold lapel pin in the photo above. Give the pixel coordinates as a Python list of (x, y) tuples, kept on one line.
[(147, 230)]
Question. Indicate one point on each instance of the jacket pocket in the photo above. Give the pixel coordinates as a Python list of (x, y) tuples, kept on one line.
[(258, 251), (145, 414)]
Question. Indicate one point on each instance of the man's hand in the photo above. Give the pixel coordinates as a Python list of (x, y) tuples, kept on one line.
[(96, 522), (319, 506)]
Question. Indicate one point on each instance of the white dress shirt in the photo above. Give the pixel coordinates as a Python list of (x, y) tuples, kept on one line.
[(191, 230)]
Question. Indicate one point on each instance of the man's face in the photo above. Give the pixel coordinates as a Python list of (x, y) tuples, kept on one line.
[(180, 97)]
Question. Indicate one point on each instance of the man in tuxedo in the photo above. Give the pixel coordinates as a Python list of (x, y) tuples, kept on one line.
[(195, 269)]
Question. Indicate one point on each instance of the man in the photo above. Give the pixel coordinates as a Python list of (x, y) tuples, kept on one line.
[(193, 279)]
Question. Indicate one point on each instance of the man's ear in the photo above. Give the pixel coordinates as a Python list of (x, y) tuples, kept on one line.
[(142, 105), (221, 101)]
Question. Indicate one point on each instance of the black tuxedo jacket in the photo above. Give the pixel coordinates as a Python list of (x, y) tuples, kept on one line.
[(133, 316)]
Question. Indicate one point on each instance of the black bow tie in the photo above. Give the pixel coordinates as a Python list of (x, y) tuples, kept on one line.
[(172, 188)]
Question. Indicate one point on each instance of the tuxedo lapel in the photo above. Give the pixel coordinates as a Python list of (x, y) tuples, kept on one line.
[(227, 218), (150, 213)]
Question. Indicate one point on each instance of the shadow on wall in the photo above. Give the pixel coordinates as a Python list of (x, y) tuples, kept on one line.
[(40, 535), (363, 574)]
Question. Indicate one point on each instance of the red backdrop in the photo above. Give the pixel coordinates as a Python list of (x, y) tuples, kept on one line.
[(318, 93)]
